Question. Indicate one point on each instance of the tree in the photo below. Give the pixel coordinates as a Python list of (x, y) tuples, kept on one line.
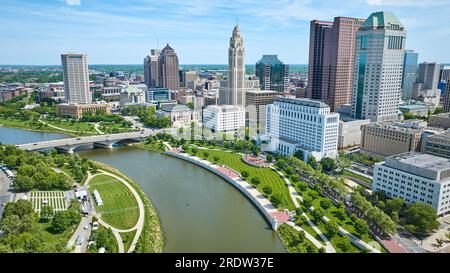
[(47, 212), (307, 200), (295, 178), (302, 186), (332, 228), (194, 150), (325, 203), (216, 158), (361, 227), (312, 162), (394, 205), (255, 151), (23, 183), (267, 190), (256, 180), (269, 158), (318, 213), (328, 164), (245, 174), (422, 217), (299, 154), (344, 244), (340, 214), (206, 154), (275, 200), (64, 219)]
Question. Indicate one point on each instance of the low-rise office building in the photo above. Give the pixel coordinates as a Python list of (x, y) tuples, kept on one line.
[(256, 101), (438, 145), (223, 118), (76, 111), (302, 124), (415, 177), (391, 138), (440, 120), (179, 114), (419, 109), (350, 132)]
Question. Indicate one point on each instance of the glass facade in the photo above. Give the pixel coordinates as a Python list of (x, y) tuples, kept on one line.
[(360, 91)]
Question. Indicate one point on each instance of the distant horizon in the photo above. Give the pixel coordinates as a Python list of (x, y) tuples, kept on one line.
[(199, 31)]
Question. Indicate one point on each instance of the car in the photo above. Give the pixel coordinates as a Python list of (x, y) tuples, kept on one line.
[(86, 227), (80, 240), (79, 138)]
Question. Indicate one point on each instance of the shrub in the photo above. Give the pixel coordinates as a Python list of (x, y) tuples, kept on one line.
[(256, 180), (267, 190)]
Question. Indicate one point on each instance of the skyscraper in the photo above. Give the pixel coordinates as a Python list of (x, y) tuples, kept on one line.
[(234, 93), (332, 54), (427, 78), (151, 69), (409, 73), (339, 60), (316, 58), (76, 78), (169, 76), (446, 105), (272, 73), (377, 76)]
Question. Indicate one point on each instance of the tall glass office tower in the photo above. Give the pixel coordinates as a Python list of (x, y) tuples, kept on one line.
[(378, 72), (272, 73), (409, 73)]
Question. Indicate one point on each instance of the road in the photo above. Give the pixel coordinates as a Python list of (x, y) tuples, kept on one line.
[(86, 233), (5, 191)]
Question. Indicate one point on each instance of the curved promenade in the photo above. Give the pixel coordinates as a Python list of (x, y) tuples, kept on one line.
[(260, 201)]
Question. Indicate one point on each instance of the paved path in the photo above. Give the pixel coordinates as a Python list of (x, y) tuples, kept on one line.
[(295, 196), (139, 224), (97, 128), (58, 128)]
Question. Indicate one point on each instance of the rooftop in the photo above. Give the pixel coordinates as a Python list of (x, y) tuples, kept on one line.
[(382, 19), (424, 165), (269, 59), (303, 101)]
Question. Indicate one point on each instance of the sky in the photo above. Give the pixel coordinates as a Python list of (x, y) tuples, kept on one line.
[(124, 31)]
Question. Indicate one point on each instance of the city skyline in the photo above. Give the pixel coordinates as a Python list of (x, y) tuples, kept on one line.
[(101, 29)]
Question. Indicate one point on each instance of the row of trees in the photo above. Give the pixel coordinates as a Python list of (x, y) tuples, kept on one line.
[(37, 170), (22, 229), (147, 116)]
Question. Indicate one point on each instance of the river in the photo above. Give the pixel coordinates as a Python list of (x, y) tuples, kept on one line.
[(199, 211)]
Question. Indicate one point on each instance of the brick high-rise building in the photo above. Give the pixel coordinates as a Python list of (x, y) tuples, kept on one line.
[(332, 49), (169, 76), (151, 69)]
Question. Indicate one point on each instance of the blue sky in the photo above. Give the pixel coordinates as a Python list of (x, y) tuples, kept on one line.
[(124, 31)]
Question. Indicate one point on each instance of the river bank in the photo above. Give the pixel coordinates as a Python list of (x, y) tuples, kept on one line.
[(151, 239)]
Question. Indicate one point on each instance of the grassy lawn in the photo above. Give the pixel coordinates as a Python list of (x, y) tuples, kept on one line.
[(82, 127), (52, 238), (357, 176), (155, 146), (268, 176), (151, 239), (120, 208), (127, 238)]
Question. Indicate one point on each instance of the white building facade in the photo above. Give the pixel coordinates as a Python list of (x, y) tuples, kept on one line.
[(76, 78), (415, 177), (224, 118), (378, 71), (302, 124)]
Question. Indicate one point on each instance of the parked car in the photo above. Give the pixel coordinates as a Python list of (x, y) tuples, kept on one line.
[(80, 240)]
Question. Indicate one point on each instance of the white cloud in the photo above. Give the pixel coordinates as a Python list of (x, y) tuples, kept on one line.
[(407, 3), (73, 2)]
